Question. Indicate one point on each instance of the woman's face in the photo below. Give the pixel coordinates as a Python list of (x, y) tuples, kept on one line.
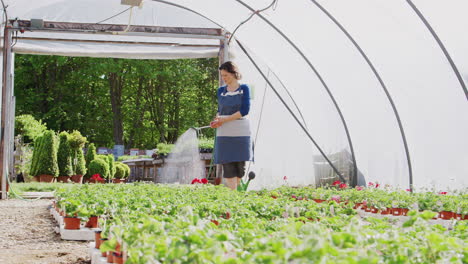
[(228, 77)]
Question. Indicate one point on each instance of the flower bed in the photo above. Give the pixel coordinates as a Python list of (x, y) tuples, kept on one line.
[(210, 224)]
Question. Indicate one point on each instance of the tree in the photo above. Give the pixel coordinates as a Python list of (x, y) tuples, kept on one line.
[(90, 156)]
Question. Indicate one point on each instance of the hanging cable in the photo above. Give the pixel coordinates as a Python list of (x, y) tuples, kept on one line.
[(111, 16), (128, 26), (5, 12), (272, 5)]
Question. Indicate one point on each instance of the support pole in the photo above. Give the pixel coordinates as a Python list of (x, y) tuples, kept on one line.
[(6, 95)]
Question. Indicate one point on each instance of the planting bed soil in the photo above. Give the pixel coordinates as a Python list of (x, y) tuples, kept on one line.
[(27, 235)]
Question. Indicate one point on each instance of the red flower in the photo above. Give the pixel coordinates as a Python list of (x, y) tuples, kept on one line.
[(285, 178), (370, 184), (97, 177), (202, 181), (359, 188), (408, 190), (444, 193), (343, 186), (196, 180), (336, 183), (377, 185)]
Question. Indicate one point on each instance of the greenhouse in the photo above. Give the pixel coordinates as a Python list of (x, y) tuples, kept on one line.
[(355, 106)]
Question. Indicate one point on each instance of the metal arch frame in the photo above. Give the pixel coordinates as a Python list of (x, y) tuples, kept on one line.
[(441, 45), (353, 156), (379, 78), (354, 178)]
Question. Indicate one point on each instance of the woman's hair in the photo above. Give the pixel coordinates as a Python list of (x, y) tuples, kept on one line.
[(230, 67)]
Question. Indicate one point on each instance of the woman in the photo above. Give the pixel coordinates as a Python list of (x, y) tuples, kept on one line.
[(233, 146)]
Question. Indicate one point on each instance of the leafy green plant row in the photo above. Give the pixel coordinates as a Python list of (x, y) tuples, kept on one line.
[(210, 224)]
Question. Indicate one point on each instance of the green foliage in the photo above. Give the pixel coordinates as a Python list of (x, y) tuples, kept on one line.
[(110, 159), (36, 155), (99, 166), (47, 162), (164, 148), (29, 127), (206, 143), (161, 99), (90, 156), (127, 171), (127, 157), (76, 140), (121, 170), (36, 186), (64, 157), (80, 167)]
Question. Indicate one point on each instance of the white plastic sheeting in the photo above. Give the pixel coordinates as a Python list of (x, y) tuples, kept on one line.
[(325, 73)]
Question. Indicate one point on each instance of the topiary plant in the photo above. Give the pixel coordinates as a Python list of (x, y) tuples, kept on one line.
[(47, 162), (90, 156), (64, 159), (80, 168), (110, 159), (98, 166), (120, 170), (36, 155)]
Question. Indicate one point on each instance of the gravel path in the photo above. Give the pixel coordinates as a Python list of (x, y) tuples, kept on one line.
[(27, 236)]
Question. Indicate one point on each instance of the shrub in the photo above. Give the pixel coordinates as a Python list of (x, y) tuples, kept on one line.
[(110, 160), (80, 166), (98, 166), (47, 162), (77, 141), (64, 158), (120, 170), (36, 156), (29, 127), (90, 156), (127, 170), (164, 148)]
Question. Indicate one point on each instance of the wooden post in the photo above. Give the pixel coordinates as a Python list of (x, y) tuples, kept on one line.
[(5, 151)]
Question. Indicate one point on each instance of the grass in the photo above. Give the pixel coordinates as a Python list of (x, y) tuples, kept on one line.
[(35, 187)]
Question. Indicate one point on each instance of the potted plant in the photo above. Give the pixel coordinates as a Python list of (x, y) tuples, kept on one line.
[(47, 162), (100, 167), (64, 158), (77, 142)]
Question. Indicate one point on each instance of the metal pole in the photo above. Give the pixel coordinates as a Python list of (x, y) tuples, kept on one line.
[(3, 131)]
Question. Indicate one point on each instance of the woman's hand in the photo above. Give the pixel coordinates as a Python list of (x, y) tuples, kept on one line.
[(216, 123)]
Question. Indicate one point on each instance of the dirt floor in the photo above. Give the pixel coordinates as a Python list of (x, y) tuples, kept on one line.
[(27, 235)]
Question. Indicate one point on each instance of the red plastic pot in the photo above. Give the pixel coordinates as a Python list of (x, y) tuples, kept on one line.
[(446, 215), (71, 223), (46, 178), (92, 222), (117, 258), (396, 211), (117, 180), (97, 238), (404, 211), (77, 178), (374, 210), (110, 257), (387, 211), (319, 200), (63, 178)]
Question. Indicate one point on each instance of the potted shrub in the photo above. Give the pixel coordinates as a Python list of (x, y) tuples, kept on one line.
[(47, 162), (98, 166), (111, 162), (77, 142), (90, 156), (64, 158), (120, 172)]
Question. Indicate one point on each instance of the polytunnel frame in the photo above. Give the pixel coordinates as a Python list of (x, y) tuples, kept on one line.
[(354, 177), (370, 64)]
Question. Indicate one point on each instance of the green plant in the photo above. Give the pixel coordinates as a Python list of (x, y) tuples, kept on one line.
[(77, 140), (64, 158), (99, 166), (36, 156), (80, 167), (110, 160), (164, 149), (90, 156), (47, 162), (127, 157), (29, 127), (206, 143), (119, 170)]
